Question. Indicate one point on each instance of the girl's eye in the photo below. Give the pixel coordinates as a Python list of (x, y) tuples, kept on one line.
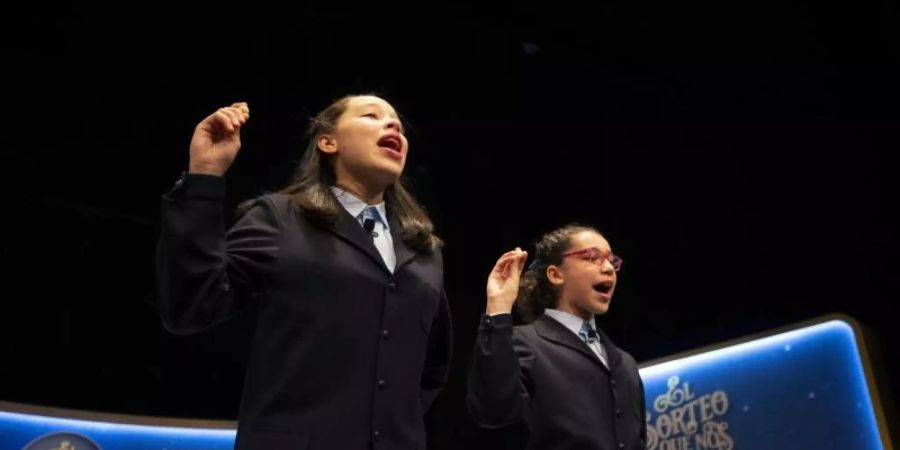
[(372, 115)]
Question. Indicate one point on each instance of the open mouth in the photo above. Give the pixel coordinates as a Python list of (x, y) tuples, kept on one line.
[(604, 287), (391, 143)]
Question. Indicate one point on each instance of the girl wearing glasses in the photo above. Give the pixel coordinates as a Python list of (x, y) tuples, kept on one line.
[(561, 373)]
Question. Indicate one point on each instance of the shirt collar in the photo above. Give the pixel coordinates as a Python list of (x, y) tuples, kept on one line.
[(570, 321), (355, 206)]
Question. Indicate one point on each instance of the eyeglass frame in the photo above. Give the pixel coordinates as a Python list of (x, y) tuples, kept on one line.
[(595, 255)]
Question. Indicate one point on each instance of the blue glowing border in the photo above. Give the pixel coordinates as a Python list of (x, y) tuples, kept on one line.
[(114, 427), (652, 371)]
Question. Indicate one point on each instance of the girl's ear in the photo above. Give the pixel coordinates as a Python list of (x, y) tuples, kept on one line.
[(554, 275), (327, 144)]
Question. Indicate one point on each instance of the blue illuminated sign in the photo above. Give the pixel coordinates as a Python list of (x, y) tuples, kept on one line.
[(801, 389)]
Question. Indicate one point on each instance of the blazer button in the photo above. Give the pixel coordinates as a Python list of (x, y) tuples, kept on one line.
[(618, 413), (613, 383), (392, 286), (385, 334), (376, 436), (621, 445), (382, 385)]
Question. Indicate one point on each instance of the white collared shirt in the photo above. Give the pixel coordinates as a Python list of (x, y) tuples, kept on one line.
[(574, 323), (384, 242)]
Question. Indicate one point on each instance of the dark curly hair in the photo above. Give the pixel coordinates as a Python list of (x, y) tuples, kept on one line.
[(535, 291)]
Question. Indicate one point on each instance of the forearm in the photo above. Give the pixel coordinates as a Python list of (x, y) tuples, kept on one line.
[(202, 271), (496, 396)]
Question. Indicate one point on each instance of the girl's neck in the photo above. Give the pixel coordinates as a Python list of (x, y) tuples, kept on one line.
[(372, 196)]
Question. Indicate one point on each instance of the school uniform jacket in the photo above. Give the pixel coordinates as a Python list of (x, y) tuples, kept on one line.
[(346, 354), (544, 373)]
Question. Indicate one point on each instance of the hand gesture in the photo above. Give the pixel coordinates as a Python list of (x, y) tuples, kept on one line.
[(503, 282), (217, 139)]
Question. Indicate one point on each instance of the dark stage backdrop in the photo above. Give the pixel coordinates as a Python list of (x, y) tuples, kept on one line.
[(740, 158)]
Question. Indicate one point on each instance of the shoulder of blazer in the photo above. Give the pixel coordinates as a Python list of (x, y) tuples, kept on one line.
[(525, 334), (284, 208), (438, 257), (626, 358), (279, 203), (282, 204), (272, 208), (629, 356)]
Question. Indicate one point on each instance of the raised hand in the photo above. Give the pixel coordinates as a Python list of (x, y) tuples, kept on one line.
[(217, 139), (503, 282)]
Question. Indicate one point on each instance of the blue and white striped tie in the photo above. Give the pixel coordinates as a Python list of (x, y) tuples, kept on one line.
[(381, 240), (590, 337), (370, 213)]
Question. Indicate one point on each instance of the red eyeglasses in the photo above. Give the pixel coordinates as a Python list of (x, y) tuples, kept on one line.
[(594, 255)]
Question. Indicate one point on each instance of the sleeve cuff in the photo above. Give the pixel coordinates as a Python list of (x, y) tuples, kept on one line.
[(199, 187), (497, 321)]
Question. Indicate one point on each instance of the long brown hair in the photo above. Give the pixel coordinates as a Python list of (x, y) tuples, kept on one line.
[(310, 188), (535, 291)]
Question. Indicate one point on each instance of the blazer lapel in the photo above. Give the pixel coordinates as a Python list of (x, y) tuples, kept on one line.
[(347, 228), (551, 330), (613, 356), (403, 253)]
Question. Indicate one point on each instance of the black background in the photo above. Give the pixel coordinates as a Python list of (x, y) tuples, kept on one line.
[(738, 156)]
